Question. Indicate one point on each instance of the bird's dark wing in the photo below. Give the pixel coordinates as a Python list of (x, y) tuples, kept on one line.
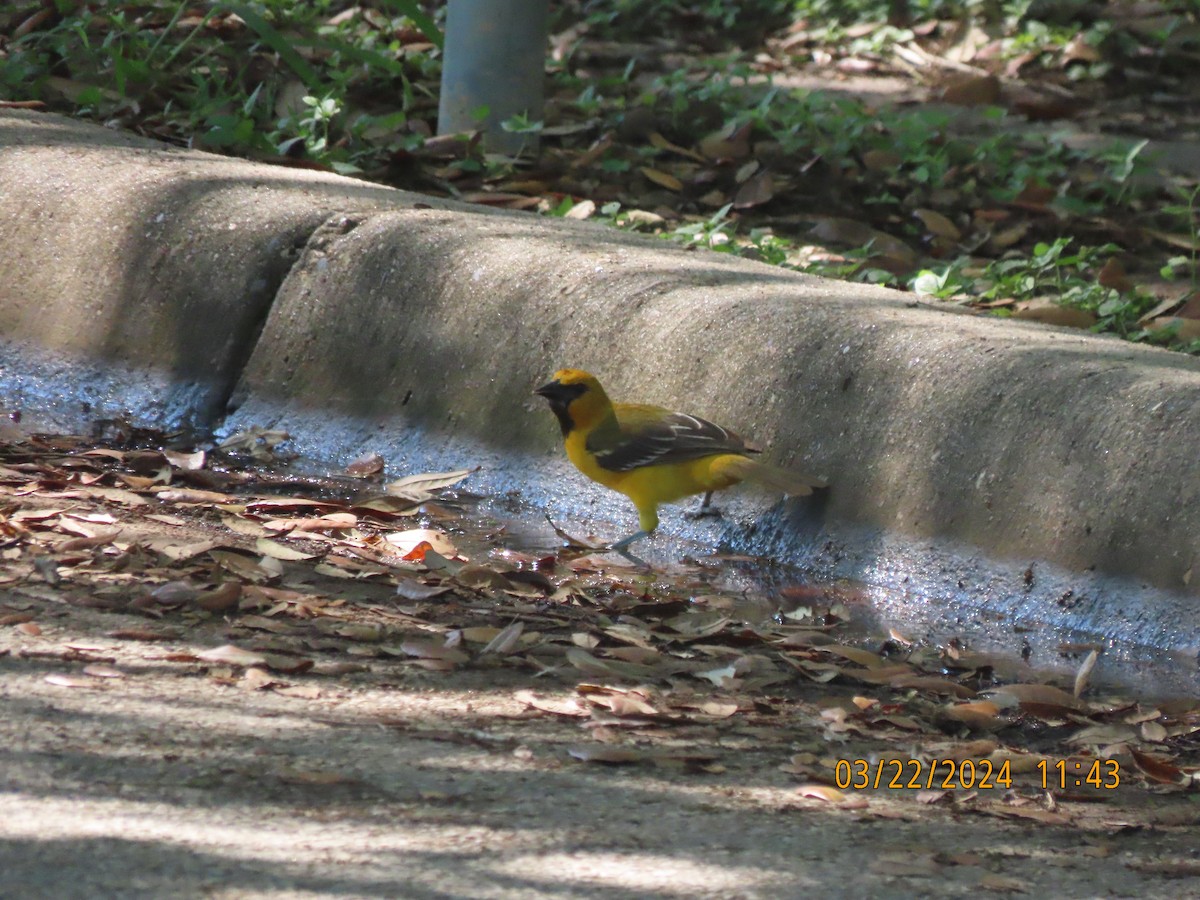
[(648, 435)]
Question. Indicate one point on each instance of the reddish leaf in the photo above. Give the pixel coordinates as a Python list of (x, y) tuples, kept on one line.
[(1158, 769)]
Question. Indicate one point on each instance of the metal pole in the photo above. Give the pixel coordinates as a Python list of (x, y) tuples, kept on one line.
[(495, 57)]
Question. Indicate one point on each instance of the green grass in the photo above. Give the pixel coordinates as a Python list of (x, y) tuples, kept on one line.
[(274, 77)]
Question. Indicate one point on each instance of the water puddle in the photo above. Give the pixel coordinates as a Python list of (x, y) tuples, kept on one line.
[(892, 623), (951, 635)]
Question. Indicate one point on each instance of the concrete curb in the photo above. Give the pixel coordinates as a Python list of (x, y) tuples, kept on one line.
[(155, 263), (421, 327)]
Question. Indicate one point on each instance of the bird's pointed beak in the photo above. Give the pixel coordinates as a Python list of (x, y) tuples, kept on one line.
[(555, 390)]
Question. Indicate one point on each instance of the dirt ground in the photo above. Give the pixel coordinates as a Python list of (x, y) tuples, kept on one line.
[(191, 710)]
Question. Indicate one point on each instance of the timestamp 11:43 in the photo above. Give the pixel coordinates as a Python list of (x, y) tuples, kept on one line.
[(1100, 774)]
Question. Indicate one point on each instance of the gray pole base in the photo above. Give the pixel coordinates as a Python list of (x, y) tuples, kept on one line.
[(495, 57)]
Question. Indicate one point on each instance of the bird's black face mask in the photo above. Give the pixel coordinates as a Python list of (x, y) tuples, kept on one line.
[(559, 396)]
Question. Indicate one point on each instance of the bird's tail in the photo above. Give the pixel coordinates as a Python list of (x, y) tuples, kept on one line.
[(742, 468)]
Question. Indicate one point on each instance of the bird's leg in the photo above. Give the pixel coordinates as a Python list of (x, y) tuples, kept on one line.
[(622, 547), (624, 542), (647, 522), (704, 510)]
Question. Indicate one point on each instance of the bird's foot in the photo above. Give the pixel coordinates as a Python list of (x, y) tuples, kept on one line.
[(636, 560), (622, 547), (623, 543), (704, 511)]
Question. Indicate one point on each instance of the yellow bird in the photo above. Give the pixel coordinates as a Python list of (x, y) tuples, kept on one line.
[(653, 455)]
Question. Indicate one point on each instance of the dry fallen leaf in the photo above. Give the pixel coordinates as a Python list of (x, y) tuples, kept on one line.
[(411, 589), (642, 656), (302, 691), (481, 577), (591, 665), (973, 90), (505, 641), (567, 706), (99, 670), (724, 677), (102, 539), (1158, 769), (880, 160), (1085, 672), (832, 795), (713, 708), (256, 679), (1079, 50), (187, 461), (732, 142), (662, 179), (757, 190), (1003, 884), (1184, 329), (1113, 275), (585, 209), (421, 487), (230, 655), (1045, 816), (1049, 311), (585, 640), (143, 634), (981, 715), (193, 497), (932, 684), (366, 465), (608, 754), (1167, 868), (276, 550), (165, 519), (416, 542), (314, 526), (851, 232), (905, 864), (424, 649), (937, 224), (70, 681), (618, 702), (1154, 732), (221, 598), (315, 778), (1038, 698), (661, 143)]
